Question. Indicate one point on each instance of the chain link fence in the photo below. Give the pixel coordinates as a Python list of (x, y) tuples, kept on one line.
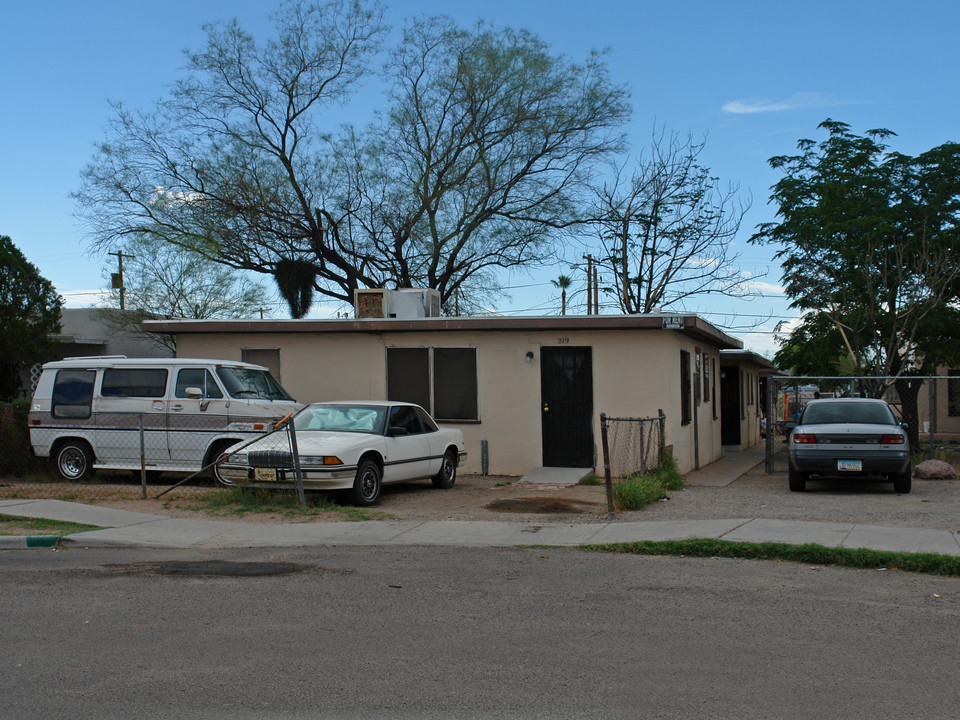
[(636, 445), (929, 405), (115, 455)]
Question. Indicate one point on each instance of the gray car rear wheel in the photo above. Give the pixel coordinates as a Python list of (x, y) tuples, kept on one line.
[(798, 480)]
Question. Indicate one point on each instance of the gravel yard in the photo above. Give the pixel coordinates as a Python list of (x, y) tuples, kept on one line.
[(933, 504)]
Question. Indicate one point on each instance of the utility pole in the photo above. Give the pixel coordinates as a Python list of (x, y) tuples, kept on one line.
[(116, 279), (596, 293), (589, 259)]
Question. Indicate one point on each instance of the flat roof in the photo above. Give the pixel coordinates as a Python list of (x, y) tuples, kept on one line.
[(690, 325)]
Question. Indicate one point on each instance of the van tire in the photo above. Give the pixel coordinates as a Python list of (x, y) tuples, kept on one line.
[(214, 455), (75, 460)]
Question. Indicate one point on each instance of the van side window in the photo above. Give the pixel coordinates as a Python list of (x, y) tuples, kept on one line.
[(134, 382), (198, 378), (73, 393)]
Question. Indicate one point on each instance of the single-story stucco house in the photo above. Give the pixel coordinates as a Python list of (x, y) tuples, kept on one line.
[(532, 388)]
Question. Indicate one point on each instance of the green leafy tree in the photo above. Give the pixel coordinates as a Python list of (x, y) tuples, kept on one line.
[(485, 142), (868, 243), (29, 316)]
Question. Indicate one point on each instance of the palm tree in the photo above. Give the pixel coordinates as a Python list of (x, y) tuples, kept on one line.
[(562, 282)]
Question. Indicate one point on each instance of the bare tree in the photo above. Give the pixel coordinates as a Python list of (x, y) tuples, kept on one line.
[(487, 140), (666, 230), (162, 280)]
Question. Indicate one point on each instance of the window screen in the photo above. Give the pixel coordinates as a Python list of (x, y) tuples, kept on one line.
[(408, 375), (134, 382), (455, 383), (685, 388)]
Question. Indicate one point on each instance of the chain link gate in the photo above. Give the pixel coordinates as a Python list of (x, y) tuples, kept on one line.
[(929, 405)]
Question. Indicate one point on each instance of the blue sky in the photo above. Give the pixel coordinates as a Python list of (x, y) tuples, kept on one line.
[(755, 76)]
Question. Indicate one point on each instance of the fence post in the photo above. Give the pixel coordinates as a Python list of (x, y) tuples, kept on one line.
[(297, 473), (606, 465), (662, 449), (143, 463)]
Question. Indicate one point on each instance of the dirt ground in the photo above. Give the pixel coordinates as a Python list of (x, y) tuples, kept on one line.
[(932, 503)]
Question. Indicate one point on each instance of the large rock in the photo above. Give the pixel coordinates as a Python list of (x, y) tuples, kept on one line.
[(934, 470)]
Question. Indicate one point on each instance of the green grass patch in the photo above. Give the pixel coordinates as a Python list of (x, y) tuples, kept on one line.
[(242, 501), (18, 525), (811, 554), (640, 490), (591, 480)]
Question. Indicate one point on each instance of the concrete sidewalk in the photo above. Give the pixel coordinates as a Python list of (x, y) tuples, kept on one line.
[(131, 529)]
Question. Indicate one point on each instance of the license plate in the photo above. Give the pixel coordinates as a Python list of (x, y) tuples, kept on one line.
[(264, 475), (850, 465)]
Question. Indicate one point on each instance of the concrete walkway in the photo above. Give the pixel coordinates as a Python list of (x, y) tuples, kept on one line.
[(131, 529)]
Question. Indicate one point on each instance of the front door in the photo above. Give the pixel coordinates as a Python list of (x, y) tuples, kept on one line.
[(730, 405), (566, 391)]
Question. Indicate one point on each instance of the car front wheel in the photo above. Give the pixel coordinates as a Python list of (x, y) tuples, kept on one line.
[(798, 481), (367, 485), (448, 472)]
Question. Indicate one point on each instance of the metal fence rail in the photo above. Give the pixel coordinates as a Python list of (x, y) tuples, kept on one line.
[(929, 405), (636, 444), (119, 452)]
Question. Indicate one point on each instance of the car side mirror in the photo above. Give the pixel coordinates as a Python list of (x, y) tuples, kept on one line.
[(194, 393), (397, 431), (905, 425), (789, 424)]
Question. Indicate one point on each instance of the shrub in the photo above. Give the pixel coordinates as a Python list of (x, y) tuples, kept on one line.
[(15, 455)]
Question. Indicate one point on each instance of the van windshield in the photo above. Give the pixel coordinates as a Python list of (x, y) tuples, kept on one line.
[(244, 383)]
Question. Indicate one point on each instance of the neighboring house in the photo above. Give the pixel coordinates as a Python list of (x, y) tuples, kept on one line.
[(945, 402), (84, 333), (532, 388), (743, 396)]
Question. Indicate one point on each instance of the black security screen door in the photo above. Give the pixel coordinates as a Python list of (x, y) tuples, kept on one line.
[(566, 390)]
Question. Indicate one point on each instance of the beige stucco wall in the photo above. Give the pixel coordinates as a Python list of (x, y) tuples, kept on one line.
[(635, 373)]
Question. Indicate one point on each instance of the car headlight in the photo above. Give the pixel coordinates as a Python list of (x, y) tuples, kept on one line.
[(320, 460)]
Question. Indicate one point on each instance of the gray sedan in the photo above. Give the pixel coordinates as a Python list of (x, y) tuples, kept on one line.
[(839, 437)]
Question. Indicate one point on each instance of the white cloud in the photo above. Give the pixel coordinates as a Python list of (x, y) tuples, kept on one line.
[(765, 288), (796, 101)]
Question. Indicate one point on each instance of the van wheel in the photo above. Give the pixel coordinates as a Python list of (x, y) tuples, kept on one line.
[(216, 454), (75, 461)]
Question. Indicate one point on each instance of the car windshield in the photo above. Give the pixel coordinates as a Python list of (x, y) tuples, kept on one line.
[(341, 418), (842, 412), (245, 383)]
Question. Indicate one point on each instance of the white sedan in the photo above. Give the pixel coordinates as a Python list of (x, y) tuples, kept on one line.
[(356, 446)]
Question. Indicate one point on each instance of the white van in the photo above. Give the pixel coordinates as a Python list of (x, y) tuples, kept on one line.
[(86, 412)]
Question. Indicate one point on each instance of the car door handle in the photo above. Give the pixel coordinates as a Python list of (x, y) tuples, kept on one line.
[(176, 407)]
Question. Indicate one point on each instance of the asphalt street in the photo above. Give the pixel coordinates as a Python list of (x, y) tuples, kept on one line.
[(430, 632)]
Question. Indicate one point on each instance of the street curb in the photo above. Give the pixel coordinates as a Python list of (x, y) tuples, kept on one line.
[(28, 541)]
